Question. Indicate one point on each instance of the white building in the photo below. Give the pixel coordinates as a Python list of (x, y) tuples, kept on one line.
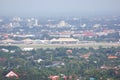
[(28, 49), (64, 41)]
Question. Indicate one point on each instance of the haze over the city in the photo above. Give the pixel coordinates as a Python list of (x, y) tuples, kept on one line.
[(59, 7)]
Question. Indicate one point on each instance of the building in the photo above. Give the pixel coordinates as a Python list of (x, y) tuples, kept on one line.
[(11, 74), (54, 77), (28, 41), (7, 41), (28, 49), (112, 57), (64, 41), (62, 24), (86, 56), (69, 51)]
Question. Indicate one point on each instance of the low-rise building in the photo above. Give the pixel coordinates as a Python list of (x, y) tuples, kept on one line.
[(11, 74), (112, 57), (64, 41), (27, 49)]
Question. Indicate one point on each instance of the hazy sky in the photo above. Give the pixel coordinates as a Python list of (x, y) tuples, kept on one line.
[(58, 7)]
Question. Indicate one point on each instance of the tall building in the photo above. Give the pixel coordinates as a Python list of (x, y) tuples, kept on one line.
[(62, 24), (36, 22)]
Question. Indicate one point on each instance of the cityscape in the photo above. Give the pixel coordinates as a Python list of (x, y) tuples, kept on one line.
[(17, 30), (60, 46), (59, 40)]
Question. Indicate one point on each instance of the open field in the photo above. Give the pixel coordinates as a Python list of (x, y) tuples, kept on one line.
[(80, 45)]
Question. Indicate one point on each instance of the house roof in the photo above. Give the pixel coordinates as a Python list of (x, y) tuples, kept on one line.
[(68, 51), (27, 40), (112, 57), (54, 77), (8, 40), (11, 74), (86, 56), (2, 59)]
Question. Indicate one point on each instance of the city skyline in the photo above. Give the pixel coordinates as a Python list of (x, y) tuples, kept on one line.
[(59, 7)]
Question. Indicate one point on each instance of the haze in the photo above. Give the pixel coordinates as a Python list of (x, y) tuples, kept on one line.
[(58, 7)]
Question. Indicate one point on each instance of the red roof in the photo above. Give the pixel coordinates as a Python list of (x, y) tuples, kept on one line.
[(69, 51), (2, 59), (112, 57), (86, 56), (54, 77), (88, 34), (12, 74)]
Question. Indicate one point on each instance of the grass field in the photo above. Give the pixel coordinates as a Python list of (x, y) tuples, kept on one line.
[(85, 45)]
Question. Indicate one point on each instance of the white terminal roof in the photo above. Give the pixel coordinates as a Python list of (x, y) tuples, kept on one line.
[(65, 39)]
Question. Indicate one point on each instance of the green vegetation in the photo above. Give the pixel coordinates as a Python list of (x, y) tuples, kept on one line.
[(40, 63)]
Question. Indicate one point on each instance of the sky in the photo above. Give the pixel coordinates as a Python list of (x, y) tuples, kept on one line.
[(58, 7)]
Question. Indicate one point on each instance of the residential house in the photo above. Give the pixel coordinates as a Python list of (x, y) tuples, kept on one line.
[(11, 74), (54, 77), (112, 57)]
